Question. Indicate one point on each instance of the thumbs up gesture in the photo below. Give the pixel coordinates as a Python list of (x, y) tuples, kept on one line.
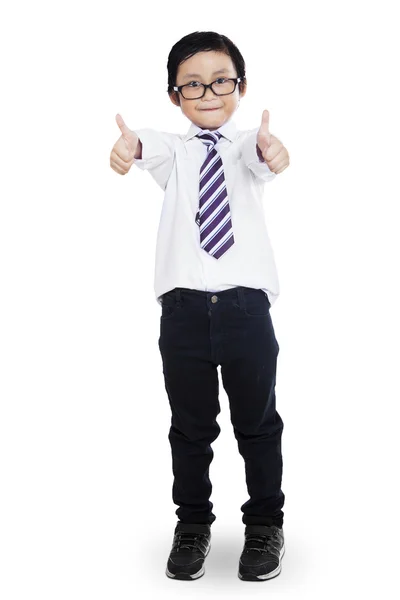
[(269, 148), (126, 149)]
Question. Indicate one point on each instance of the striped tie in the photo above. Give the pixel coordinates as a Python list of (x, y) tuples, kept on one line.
[(214, 218)]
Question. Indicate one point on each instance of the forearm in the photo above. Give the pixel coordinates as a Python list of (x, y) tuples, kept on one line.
[(138, 153)]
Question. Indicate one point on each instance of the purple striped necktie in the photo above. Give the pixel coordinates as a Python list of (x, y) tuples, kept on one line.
[(214, 217)]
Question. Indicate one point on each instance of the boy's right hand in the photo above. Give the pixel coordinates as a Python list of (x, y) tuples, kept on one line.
[(126, 149)]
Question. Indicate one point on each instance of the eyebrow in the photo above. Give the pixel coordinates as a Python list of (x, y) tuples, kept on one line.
[(197, 74)]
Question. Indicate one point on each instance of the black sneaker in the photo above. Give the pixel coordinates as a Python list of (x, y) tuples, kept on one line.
[(192, 543), (262, 553)]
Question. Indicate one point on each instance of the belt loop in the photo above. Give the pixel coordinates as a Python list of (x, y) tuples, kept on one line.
[(178, 297), (240, 292)]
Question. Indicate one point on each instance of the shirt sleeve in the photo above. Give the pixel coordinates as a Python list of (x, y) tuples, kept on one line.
[(158, 154), (251, 159)]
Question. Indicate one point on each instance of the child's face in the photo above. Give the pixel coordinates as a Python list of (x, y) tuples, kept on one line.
[(204, 65)]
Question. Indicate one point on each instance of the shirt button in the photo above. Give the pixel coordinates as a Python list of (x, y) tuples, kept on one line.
[(214, 299)]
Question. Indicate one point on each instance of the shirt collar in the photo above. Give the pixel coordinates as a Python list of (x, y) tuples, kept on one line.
[(228, 130)]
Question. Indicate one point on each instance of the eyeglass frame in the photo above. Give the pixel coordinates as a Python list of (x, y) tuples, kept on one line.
[(178, 88)]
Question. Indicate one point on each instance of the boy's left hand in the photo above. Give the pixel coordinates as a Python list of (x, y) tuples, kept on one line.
[(270, 148)]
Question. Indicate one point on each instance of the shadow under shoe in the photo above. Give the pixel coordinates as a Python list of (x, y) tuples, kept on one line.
[(262, 553), (191, 544)]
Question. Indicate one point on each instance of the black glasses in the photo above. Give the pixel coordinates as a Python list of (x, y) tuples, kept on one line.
[(221, 87)]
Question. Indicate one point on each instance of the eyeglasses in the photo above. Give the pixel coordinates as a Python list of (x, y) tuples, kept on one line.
[(221, 87)]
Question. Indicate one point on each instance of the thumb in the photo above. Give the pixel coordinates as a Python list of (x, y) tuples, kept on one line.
[(264, 129), (126, 132)]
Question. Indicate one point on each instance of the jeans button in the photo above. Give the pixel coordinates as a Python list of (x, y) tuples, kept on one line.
[(214, 299)]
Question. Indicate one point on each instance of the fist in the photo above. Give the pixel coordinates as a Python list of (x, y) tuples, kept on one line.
[(269, 148), (125, 149)]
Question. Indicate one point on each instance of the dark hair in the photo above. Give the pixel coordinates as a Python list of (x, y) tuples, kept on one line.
[(203, 41)]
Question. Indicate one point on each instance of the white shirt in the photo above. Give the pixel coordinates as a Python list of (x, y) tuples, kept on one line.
[(174, 161)]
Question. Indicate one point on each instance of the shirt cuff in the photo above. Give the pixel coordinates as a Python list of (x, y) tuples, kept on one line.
[(158, 154), (151, 148)]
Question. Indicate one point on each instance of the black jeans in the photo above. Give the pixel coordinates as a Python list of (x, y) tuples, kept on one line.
[(198, 331)]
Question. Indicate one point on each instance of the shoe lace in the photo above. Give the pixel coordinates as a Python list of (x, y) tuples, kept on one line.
[(261, 542), (188, 540)]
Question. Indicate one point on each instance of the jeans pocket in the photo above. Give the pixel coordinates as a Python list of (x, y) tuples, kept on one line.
[(257, 304), (168, 304)]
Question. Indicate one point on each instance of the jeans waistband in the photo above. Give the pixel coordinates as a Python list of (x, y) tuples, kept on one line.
[(237, 292)]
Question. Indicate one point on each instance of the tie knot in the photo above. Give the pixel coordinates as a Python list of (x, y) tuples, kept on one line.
[(209, 138)]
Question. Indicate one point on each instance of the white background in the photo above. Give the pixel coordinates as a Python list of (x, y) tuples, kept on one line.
[(86, 504)]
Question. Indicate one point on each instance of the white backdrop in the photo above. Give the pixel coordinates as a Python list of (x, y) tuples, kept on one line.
[(86, 503)]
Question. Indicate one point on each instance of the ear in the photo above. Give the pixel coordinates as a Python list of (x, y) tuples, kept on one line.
[(174, 98), (243, 92)]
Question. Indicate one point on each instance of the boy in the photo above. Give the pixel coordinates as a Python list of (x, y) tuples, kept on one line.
[(216, 280)]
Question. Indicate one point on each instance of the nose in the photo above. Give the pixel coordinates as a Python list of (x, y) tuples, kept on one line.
[(209, 92)]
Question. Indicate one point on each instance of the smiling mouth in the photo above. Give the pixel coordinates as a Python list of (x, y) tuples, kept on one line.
[(209, 109)]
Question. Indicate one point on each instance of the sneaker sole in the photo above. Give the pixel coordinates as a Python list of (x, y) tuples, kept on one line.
[(271, 575), (188, 576)]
